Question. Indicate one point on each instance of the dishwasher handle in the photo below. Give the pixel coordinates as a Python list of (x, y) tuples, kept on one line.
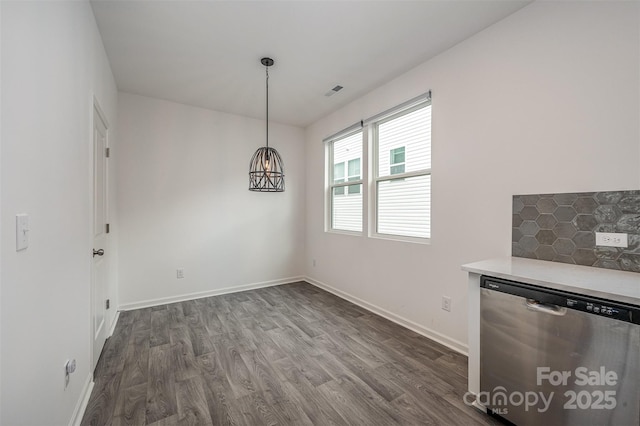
[(537, 306)]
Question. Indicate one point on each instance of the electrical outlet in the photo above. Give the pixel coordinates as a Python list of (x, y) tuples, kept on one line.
[(314, 263), (180, 273), (611, 239), (446, 303)]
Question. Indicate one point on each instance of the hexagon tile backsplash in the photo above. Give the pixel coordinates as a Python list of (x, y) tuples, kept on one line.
[(562, 228)]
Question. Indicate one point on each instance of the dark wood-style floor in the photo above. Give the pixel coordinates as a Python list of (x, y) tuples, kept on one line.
[(291, 355)]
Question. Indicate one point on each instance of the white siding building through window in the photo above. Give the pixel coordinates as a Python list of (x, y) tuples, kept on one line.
[(346, 202), (404, 174), (400, 185)]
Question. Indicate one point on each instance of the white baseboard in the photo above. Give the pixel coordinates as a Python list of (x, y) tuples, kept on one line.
[(479, 406), (113, 323), (208, 293), (431, 334), (81, 406)]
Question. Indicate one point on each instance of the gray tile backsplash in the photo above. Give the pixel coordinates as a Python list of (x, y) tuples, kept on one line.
[(562, 227)]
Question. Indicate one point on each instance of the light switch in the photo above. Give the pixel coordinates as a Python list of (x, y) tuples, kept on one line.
[(22, 231)]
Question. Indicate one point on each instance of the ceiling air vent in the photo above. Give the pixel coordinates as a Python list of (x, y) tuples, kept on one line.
[(333, 91)]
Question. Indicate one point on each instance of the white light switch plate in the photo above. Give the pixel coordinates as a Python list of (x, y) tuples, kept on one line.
[(22, 231)]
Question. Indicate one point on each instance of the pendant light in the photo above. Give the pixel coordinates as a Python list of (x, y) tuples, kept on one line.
[(266, 171)]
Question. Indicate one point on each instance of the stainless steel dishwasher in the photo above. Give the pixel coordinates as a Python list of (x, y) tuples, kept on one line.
[(549, 357)]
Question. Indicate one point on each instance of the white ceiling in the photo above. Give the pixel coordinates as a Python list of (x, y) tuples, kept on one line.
[(207, 53)]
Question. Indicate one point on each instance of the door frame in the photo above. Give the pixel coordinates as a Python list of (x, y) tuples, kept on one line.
[(96, 109)]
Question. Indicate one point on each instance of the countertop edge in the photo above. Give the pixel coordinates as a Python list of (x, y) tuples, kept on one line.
[(619, 286)]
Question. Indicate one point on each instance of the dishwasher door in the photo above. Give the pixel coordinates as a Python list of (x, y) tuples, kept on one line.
[(545, 363)]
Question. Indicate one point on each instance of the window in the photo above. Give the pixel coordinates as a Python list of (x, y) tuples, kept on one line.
[(403, 180), (338, 177), (399, 184), (346, 205), (354, 175), (397, 161)]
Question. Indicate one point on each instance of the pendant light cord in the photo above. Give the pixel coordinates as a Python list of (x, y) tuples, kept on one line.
[(267, 70)]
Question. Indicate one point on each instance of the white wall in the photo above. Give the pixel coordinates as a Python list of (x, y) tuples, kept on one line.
[(543, 101), (1, 233), (184, 202), (53, 63)]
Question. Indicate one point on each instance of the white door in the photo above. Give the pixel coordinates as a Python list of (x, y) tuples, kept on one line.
[(99, 268)]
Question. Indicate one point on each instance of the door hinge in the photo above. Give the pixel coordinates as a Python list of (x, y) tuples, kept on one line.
[(107, 304), (107, 228), (107, 152)]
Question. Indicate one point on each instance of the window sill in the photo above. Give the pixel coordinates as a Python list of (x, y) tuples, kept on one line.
[(341, 232), (402, 239)]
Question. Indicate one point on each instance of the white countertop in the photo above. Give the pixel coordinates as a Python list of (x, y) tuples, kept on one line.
[(619, 286)]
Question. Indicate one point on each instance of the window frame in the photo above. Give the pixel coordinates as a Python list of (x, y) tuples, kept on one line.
[(346, 182), (369, 173), (376, 178), (350, 178)]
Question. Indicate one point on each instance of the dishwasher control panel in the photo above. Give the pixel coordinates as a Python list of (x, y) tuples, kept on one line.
[(597, 308), (555, 298)]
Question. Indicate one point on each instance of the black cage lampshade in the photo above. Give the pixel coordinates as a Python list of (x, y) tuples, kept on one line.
[(266, 170)]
